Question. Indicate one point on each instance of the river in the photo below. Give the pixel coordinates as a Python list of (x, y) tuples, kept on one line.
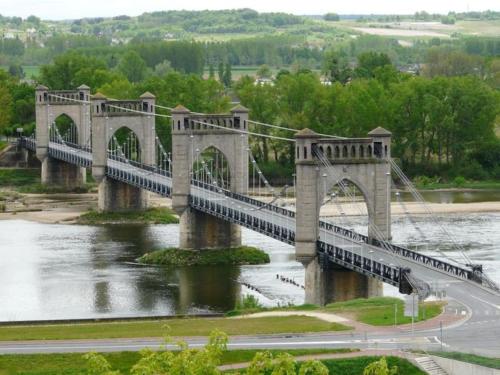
[(52, 271)]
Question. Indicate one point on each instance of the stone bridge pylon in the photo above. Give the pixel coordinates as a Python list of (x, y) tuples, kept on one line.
[(363, 162), (191, 135), (49, 106), (108, 117)]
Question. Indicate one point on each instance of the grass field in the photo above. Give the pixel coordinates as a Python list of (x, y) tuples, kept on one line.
[(355, 366), (171, 327), (379, 311), (19, 177), (29, 70)]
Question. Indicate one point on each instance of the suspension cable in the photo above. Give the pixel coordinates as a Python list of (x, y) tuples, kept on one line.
[(244, 131)]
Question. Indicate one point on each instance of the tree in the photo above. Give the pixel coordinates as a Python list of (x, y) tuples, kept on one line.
[(227, 75), (335, 67), (163, 68), (445, 62), (263, 71), (72, 69), (5, 108), (16, 71), (380, 368), (369, 61), (132, 66), (33, 20), (220, 72), (331, 17)]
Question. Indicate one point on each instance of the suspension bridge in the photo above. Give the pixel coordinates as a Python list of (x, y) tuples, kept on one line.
[(217, 187)]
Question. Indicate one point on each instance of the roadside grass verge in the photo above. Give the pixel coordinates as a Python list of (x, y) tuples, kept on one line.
[(73, 363), (156, 215), (170, 327), (379, 311), (3, 144), (205, 257), (471, 358)]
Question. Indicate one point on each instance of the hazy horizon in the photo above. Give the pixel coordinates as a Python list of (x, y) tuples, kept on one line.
[(58, 10)]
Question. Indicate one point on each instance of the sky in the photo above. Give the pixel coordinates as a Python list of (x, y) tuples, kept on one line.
[(64, 9)]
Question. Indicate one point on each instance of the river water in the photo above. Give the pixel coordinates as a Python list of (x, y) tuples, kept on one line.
[(51, 271)]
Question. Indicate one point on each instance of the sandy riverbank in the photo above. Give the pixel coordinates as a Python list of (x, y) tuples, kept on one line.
[(66, 208)]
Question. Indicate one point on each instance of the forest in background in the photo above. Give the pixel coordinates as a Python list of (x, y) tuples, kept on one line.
[(439, 96)]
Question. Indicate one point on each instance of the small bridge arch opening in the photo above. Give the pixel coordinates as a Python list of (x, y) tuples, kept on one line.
[(124, 142), (345, 204), (211, 166), (66, 128)]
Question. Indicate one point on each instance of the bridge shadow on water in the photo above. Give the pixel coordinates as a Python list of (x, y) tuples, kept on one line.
[(183, 290)]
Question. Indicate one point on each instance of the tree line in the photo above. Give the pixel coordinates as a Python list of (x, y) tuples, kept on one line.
[(441, 124)]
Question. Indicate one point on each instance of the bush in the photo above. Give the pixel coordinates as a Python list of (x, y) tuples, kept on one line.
[(459, 181), (248, 302)]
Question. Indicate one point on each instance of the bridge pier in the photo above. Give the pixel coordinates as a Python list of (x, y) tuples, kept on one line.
[(116, 196), (60, 173), (199, 230), (326, 283)]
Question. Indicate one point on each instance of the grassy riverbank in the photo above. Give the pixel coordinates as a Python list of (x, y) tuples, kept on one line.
[(377, 311), (206, 257), (172, 327), (156, 215), (27, 180)]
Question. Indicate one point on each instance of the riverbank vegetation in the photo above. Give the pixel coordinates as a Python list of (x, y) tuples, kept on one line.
[(154, 215), (206, 257)]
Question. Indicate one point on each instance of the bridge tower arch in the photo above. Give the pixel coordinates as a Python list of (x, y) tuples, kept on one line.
[(364, 162), (191, 134), (108, 117), (49, 106)]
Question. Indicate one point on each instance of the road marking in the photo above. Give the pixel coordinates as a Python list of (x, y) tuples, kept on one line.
[(483, 301), (98, 346)]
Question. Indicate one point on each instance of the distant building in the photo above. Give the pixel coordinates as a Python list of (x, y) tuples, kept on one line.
[(263, 81), (325, 81)]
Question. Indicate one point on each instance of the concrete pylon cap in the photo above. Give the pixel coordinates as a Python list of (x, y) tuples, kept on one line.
[(239, 108), (147, 95), (83, 87), (180, 109), (306, 133), (41, 87), (380, 132), (98, 96)]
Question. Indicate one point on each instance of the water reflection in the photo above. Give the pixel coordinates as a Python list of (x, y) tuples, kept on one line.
[(71, 271), (471, 196)]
